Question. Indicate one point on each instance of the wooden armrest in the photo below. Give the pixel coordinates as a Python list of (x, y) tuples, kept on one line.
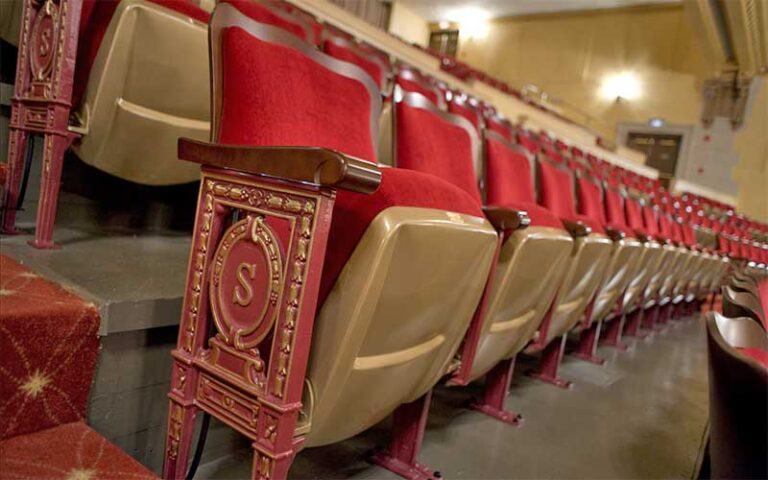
[(504, 219), (643, 237), (576, 229), (318, 166), (614, 234)]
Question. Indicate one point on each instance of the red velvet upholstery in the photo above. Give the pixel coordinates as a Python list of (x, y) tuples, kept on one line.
[(467, 111), (614, 209), (349, 55), (67, 452), (48, 349), (651, 221), (261, 13), (399, 187), (433, 145), (590, 200), (503, 128), (556, 190), (419, 87), (509, 183), (635, 216), (323, 109), (757, 354), (94, 21), (556, 194), (529, 143), (276, 96)]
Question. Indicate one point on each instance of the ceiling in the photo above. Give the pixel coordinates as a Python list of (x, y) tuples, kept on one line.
[(437, 10)]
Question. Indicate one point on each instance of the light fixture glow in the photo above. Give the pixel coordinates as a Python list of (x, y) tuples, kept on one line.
[(473, 22), (444, 25), (624, 85)]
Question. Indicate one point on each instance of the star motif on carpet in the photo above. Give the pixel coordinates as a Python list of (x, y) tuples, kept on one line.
[(35, 384), (80, 474)]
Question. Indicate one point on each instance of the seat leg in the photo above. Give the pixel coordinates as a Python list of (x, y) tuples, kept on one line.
[(587, 347), (181, 425), (664, 314), (550, 363), (268, 466), (408, 425), (496, 387), (634, 320), (17, 148), (614, 333), (650, 317), (53, 157)]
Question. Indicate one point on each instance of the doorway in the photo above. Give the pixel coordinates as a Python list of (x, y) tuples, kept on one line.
[(661, 151)]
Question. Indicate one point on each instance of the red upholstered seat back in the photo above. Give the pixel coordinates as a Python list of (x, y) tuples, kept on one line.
[(614, 207), (556, 189), (263, 13), (463, 107), (500, 126), (635, 215), (342, 49), (590, 196), (509, 175), (651, 220), (94, 21), (529, 142), (436, 143), (413, 82), (273, 94)]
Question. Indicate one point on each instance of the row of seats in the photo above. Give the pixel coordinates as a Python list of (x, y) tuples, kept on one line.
[(738, 379), (483, 240)]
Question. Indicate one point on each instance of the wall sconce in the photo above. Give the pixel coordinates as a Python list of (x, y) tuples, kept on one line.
[(624, 85), (473, 22)]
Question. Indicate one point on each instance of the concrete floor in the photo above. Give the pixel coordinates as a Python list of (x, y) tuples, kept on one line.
[(642, 415)]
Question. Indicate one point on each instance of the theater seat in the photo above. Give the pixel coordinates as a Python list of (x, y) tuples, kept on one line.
[(588, 259), (652, 256), (532, 260), (625, 248), (738, 394), (141, 82), (412, 81), (352, 52), (405, 266)]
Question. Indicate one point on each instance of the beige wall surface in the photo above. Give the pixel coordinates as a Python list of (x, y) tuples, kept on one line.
[(568, 56), (406, 24)]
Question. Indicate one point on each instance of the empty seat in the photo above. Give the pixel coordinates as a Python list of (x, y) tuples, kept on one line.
[(625, 249), (352, 52), (738, 394), (141, 82), (405, 267), (411, 80), (532, 260), (587, 262)]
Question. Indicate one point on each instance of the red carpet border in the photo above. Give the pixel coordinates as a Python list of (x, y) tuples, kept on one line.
[(67, 452), (48, 350)]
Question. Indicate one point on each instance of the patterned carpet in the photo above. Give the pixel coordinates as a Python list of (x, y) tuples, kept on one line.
[(48, 350), (71, 452)]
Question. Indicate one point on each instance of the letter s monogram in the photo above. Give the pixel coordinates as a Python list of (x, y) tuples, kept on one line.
[(243, 293)]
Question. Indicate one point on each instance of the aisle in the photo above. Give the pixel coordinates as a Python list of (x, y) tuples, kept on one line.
[(640, 416)]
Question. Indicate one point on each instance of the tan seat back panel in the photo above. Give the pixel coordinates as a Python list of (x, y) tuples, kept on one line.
[(395, 317), (589, 261), (649, 263), (530, 268), (149, 85), (622, 267)]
